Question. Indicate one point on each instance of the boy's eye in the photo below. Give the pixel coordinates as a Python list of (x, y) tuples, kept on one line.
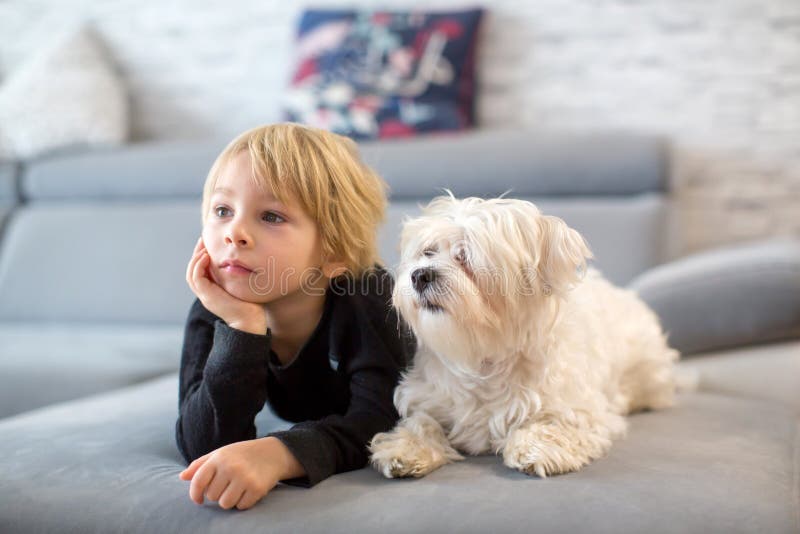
[(272, 217), (221, 211)]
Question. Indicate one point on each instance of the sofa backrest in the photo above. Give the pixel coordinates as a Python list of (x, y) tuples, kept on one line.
[(106, 235)]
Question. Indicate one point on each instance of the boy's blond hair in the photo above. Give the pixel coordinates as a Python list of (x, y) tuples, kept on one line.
[(324, 174)]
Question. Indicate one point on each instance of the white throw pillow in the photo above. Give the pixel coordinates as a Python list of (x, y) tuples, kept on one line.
[(68, 95)]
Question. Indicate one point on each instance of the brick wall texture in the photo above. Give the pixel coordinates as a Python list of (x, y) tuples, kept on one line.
[(720, 79)]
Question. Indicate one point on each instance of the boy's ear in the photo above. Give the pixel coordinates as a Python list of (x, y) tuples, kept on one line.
[(332, 269)]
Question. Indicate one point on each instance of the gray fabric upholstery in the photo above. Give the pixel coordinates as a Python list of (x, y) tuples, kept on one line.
[(737, 295), (92, 298), (712, 464), (769, 372), (5, 213), (489, 163), (98, 262), (472, 163), (151, 170), (8, 183), (47, 363), (9, 197), (104, 236), (625, 233), (125, 261)]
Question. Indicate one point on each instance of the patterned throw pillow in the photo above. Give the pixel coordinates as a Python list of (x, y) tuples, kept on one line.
[(370, 74)]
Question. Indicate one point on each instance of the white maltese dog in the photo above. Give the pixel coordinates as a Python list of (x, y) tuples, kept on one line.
[(521, 351)]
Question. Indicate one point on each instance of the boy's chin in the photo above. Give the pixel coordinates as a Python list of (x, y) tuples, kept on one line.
[(243, 291), (247, 291)]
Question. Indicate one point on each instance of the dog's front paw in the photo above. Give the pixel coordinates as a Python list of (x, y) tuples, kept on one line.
[(399, 453), (545, 450), (395, 467), (528, 460)]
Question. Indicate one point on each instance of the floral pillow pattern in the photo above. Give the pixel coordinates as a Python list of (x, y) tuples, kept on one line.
[(368, 74)]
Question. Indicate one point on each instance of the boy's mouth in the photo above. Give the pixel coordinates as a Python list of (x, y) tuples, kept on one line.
[(235, 267)]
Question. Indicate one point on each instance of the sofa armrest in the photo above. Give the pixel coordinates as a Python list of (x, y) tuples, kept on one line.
[(728, 297)]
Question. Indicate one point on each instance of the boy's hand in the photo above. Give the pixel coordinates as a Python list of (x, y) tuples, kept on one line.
[(241, 473), (236, 313)]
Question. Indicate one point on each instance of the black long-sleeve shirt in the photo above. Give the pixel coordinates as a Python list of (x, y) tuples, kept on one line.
[(227, 375)]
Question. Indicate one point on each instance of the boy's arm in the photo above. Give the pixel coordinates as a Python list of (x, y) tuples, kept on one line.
[(338, 443), (222, 384)]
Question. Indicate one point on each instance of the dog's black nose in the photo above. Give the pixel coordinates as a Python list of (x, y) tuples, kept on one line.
[(422, 278)]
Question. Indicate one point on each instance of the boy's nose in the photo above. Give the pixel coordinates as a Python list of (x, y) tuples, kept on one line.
[(238, 236), (240, 241)]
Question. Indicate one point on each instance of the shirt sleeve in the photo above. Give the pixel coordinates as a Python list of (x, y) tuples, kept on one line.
[(222, 384), (372, 355)]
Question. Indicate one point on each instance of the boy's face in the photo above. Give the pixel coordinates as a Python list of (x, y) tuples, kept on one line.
[(259, 247)]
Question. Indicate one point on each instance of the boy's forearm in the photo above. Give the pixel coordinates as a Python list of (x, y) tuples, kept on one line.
[(289, 466)]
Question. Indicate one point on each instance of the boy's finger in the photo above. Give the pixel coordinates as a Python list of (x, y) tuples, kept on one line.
[(232, 495), (217, 487), (189, 271), (200, 482), (198, 276), (196, 255), (191, 280), (190, 470), (199, 248), (196, 252), (203, 277), (248, 500)]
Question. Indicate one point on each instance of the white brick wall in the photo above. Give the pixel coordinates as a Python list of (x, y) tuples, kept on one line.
[(721, 78)]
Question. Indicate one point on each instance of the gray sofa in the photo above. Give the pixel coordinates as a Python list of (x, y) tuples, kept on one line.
[(92, 303)]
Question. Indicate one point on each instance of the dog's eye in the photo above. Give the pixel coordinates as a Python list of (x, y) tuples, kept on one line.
[(429, 252), (461, 256)]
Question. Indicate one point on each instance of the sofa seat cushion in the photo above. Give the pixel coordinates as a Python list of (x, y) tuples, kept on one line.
[(713, 463), (770, 372), (42, 364)]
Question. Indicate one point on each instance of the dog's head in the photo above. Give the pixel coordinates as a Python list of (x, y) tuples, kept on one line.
[(475, 274)]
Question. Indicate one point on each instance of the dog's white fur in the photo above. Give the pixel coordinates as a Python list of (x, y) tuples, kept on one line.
[(522, 351)]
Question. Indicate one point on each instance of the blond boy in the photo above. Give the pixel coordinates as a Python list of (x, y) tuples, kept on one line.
[(292, 309)]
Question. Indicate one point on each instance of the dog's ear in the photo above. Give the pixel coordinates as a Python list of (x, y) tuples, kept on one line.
[(562, 253)]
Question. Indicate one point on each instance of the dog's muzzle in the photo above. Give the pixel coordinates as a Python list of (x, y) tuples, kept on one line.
[(422, 278)]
